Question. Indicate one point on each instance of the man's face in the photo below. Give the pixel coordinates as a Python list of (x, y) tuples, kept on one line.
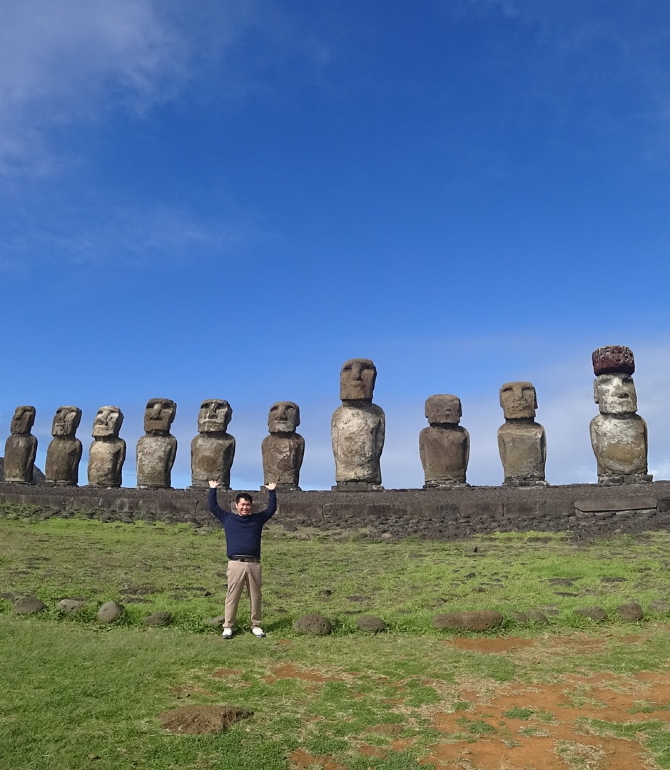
[(357, 380), (243, 507)]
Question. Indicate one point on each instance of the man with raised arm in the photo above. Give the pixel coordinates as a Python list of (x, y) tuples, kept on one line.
[(243, 544)]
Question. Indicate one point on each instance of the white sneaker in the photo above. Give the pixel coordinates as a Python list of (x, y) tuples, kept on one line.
[(258, 632), (227, 633)]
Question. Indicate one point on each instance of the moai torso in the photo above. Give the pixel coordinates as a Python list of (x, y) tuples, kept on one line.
[(108, 452), (283, 450), (444, 447), (213, 449), (156, 451), (358, 429), (618, 434), (64, 451), (522, 442), (21, 447)]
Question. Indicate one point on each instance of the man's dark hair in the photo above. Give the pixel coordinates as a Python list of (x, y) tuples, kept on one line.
[(243, 496)]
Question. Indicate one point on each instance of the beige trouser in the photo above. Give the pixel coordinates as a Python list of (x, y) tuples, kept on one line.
[(239, 574)]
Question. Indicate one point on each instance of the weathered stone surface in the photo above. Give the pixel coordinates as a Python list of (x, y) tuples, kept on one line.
[(109, 612), (522, 442), (631, 612), (213, 449), (593, 613), (314, 625), (64, 451), (444, 447), (71, 606), (20, 447), (477, 620), (156, 451), (108, 452), (618, 434), (29, 605), (520, 617), (283, 450), (371, 623), (358, 428), (613, 358), (201, 720), (593, 504), (659, 605), (161, 618), (537, 616)]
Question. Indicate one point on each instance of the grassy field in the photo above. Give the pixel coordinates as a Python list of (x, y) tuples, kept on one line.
[(77, 694)]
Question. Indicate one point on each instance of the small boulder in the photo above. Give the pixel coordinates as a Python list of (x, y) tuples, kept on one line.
[(217, 621), (29, 605), (593, 613), (537, 616), (631, 612), (71, 606), (659, 605), (520, 617), (477, 620), (315, 625), (161, 618), (109, 612), (371, 623)]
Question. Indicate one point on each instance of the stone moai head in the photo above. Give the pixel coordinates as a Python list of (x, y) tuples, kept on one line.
[(23, 420), (518, 400), (159, 416), (214, 416), (284, 417), (107, 422), (613, 388), (443, 409), (66, 421), (357, 380)]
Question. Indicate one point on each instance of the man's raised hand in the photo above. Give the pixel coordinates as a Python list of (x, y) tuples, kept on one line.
[(213, 483), (272, 485)]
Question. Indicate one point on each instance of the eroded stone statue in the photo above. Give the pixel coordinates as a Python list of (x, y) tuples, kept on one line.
[(21, 447), (444, 447), (522, 442), (358, 429), (618, 434), (108, 452), (64, 451), (213, 449), (156, 451), (284, 449)]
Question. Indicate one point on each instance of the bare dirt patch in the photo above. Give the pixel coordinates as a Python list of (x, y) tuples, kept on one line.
[(221, 673), (200, 720), (493, 646), (301, 759), (289, 671)]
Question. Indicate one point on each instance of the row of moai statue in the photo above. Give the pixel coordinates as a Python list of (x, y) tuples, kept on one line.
[(618, 438)]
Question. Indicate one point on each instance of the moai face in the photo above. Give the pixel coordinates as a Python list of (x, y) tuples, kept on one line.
[(518, 400), (357, 380), (159, 416), (214, 416), (615, 394), (107, 422), (23, 420), (443, 409), (66, 421), (284, 417)]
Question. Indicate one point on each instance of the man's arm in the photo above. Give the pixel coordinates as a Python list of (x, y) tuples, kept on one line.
[(272, 501), (213, 505)]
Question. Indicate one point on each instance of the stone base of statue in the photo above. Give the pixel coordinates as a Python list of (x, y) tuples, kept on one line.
[(632, 478), (51, 483), (445, 484), (284, 487), (199, 487), (104, 486), (513, 482), (357, 486)]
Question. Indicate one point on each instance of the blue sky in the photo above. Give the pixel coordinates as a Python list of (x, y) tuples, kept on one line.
[(229, 199)]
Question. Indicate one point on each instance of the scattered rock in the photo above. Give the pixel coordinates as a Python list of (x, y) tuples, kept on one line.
[(201, 720), (371, 623), (161, 618), (29, 605), (631, 612), (550, 609), (537, 616), (109, 612), (71, 606), (217, 621), (659, 605), (565, 593), (315, 625), (594, 613), (520, 617), (478, 620), (560, 582)]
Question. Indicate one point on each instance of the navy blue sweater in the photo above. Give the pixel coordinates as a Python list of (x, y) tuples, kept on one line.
[(243, 533)]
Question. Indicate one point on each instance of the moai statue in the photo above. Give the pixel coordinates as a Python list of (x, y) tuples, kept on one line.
[(64, 451), (156, 451), (444, 447), (108, 452), (618, 434), (522, 442), (21, 447), (357, 429), (213, 449), (283, 449)]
